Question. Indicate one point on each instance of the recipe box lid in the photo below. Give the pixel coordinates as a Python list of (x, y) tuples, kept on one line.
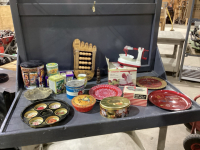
[(115, 66)]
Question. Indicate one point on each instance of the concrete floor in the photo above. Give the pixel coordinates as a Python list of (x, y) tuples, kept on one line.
[(149, 137)]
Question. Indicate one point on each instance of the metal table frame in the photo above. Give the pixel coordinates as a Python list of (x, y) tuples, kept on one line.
[(116, 23)]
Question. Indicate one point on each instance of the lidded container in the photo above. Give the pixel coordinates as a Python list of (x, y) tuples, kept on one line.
[(33, 74), (52, 69), (83, 103), (57, 83), (114, 107), (74, 88)]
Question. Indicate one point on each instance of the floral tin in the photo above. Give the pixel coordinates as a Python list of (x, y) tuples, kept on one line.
[(114, 107), (52, 69), (83, 103), (57, 83)]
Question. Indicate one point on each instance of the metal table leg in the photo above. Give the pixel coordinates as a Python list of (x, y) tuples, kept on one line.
[(136, 139), (162, 138)]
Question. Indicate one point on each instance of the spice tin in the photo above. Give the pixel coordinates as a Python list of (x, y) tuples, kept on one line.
[(45, 113), (114, 107), (68, 75), (74, 88), (52, 69), (83, 77), (83, 103), (57, 83)]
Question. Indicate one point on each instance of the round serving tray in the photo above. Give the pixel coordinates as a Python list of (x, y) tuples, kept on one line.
[(151, 82), (45, 113), (170, 100), (104, 90)]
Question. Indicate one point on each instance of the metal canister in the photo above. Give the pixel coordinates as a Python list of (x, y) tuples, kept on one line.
[(114, 107), (52, 69), (83, 77), (74, 88)]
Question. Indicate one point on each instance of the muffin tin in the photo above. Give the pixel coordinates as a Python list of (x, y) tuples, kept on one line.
[(45, 113)]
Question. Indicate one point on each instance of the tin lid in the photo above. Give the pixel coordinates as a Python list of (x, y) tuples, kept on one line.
[(115, 102), (75, 83), (52, 65), (31, 64), (83, 101), (56, 77)]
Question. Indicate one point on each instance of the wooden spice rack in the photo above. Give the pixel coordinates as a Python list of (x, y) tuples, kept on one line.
[(84, 58)]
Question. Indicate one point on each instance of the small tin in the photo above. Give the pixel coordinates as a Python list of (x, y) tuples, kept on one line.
[(57, 83), (30, 114), (83, 103), (40, 106), (52, 119), (54, 105), (114, 107), (52, 69), (83, 77), (36, 121), (74, 88), (61, 111)]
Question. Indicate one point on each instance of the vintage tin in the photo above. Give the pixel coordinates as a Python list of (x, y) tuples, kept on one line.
[(74, 88), (57, 83), (68, 75), (83, 103), (61, 111), (114, 107), (54, 105), (83, 77), (52, 119), (40, 106), (36, 121), (30, 114), (52, 69)]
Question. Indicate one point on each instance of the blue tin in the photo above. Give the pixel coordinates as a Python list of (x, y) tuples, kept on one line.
[(74, 88)]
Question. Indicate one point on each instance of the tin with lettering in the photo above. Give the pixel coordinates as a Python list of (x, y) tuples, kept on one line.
[(74, 88), (114, 107)]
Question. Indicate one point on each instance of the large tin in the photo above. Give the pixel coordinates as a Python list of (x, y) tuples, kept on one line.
[(74, 88), (52, 69), (114, 107)]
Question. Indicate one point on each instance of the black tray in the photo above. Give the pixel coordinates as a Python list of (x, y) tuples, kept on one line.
[(45, 113)]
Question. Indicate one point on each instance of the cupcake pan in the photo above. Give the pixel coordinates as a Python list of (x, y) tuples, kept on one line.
[(50, 113)]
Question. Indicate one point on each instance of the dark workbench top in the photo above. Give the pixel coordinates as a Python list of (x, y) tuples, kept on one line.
[(77, 125)]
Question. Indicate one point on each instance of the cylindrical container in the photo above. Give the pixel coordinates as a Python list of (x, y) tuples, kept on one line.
[(52, 69), (32, 74), (74, 88), (83, 103), (83, 77), (114, 107)]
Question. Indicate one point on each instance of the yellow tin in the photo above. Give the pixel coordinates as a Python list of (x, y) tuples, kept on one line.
[(83, 77), (57, 83), (114, 107)]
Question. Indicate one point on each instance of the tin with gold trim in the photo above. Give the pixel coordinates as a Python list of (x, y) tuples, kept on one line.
[(114, 107)]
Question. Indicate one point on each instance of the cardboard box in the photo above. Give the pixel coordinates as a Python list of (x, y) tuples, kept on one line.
[(119, 75), (137, 95)]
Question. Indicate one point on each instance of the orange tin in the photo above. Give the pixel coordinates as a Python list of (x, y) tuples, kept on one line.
[(83, 103)]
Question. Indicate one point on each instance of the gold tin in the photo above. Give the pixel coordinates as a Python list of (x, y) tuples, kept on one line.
[(30, 114), (54, 105), (52, 119), (83, 77), (114, 107), (61, 111), (36, 121), (40, 106)]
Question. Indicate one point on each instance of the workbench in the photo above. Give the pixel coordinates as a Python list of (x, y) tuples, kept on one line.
[(46, 30)]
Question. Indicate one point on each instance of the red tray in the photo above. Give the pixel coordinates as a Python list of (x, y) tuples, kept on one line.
[(102, 91), (170, 100)]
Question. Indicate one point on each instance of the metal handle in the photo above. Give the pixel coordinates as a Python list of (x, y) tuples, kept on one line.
[(93, 7)]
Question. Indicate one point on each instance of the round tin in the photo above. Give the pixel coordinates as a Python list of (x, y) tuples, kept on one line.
[(52, 119), (40, 106), (83, 77), (74, 88), (83, 103), (36, 121), (114, 107), (30, 114), (61, 111), (54, 105), (52, 69)]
